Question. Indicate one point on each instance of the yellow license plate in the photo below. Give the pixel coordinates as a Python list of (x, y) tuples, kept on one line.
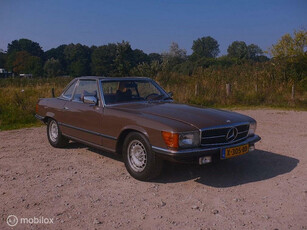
[(235, 151)]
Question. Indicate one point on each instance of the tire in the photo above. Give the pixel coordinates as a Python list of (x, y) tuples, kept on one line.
[(140, 161), (54, 134)]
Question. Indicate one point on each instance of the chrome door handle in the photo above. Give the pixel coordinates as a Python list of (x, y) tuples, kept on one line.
[(66, 108)]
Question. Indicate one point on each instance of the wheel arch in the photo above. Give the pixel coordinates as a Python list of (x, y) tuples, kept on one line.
[(49, 115), (46, 119), (124, 133)]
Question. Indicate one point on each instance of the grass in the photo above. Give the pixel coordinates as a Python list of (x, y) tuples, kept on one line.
[(18, 97)]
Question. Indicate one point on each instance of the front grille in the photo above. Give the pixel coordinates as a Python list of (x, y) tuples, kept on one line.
[(218, 135)]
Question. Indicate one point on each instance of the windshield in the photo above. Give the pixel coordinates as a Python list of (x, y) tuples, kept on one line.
[(125, 91)]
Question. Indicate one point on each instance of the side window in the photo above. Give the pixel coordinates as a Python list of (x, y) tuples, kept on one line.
[(110, 87), (86, 88), (68, 93)]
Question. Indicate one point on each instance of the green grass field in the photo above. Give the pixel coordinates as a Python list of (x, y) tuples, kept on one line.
[(19, 96)]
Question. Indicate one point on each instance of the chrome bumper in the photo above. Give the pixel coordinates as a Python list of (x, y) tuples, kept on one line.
[(197, 152)]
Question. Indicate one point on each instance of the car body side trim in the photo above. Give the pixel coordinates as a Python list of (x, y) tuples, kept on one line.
[(89, 143), (88, 131), (249, 140)]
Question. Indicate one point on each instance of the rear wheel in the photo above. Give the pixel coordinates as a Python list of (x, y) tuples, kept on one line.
[(140, 161), (55, 137)]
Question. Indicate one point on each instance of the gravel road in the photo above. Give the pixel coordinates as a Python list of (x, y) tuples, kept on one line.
[(83, 188)]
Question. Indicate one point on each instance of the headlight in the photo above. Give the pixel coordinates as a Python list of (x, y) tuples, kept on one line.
[(252, 128), (182, 140), (189, 139)]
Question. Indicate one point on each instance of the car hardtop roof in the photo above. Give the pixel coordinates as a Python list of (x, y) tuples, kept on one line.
[(113, 78)]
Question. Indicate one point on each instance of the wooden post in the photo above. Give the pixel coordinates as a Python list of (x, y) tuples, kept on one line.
[(228, 89), (293, 92), (256, 88), (196, 89)]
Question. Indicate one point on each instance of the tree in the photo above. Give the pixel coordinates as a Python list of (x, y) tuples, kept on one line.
[(237, 49), (175, 52), (254, 52), (155, 57), (124, 58), (146, 69), (26, 63), (3, 57), (52, 68), (78, 59), (117, 59), (290, 47), (206, 47), (103, 60), (58, 54), (291, 53), (33, 48), (173, 57), (139, 57)]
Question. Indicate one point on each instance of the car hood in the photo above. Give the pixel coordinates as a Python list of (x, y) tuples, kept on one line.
[(197, 117)]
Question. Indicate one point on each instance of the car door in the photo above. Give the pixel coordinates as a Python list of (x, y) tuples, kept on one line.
[(83, 121)]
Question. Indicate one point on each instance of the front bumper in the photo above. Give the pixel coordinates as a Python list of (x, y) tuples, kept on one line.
[(192, 155)]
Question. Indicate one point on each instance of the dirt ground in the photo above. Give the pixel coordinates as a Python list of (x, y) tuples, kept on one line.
[(84, 188)]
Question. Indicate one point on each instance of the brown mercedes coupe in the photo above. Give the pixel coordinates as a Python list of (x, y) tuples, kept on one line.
[(135, 117)]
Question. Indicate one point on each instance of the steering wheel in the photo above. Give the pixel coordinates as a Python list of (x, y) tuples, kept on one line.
[(151, 95)]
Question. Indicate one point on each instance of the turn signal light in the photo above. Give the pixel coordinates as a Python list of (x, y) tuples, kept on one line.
[(171, 139), (36, 108)]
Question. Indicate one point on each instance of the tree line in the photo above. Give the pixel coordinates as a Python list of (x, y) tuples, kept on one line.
[(119, 59)]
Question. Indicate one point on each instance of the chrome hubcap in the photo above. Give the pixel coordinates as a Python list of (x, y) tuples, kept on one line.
[(137, 156), (53, 131)]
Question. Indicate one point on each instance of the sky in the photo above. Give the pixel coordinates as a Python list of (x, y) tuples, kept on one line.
[(150, 25)]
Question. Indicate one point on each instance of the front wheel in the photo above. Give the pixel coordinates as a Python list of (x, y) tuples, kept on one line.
[(139, 160), (55, 137)]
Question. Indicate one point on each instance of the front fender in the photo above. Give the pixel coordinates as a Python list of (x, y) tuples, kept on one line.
[(50, 114), (136, 128)]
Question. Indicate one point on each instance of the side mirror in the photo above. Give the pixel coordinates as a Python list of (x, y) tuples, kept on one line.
[(90, 100), (170, 94)]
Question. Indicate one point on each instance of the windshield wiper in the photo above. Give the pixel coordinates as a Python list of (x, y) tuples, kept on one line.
[(167, 98), (154, 98), (160, 98)]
